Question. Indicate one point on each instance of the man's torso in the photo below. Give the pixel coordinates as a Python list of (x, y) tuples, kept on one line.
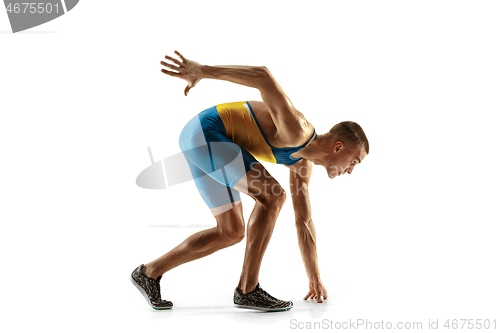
[(250, 125)]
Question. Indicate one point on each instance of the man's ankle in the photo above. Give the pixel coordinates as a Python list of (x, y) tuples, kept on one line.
[(149, 272), (248, 288)]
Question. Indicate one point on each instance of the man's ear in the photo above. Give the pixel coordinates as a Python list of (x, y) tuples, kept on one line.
[(338, 146)]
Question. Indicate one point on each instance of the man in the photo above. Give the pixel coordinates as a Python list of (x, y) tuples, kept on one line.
[(221, 145)]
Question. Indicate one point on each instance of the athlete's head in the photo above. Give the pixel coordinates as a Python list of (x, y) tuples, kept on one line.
[(349, 147)]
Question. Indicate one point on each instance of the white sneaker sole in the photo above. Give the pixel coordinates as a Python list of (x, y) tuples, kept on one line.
[(262, 309), (146, 296)]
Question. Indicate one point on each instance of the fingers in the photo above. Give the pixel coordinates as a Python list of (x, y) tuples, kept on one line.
[(180, 56), (170, 66), (175, 61), (319, 294), (175, 74), (315, 296)]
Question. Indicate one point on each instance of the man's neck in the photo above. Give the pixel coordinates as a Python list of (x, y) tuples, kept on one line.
[(317, 151)]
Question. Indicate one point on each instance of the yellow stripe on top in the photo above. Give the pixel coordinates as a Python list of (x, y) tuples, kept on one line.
[(242, 129)]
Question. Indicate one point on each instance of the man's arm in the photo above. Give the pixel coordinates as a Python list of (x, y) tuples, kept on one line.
[(258, 77), (300, 174)]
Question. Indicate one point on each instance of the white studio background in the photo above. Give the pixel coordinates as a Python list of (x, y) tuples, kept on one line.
[(411, 235)]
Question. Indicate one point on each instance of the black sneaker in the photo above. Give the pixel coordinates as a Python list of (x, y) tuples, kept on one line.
[(150, 289), (260, 300)]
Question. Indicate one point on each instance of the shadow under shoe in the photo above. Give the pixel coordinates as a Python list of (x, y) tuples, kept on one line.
[(150, 289), (260, 300)]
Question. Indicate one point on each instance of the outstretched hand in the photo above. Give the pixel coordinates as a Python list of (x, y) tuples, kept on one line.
[(185, 69), (317, 291)]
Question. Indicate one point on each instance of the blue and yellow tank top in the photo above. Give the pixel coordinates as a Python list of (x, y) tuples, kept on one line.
[(243, 129)]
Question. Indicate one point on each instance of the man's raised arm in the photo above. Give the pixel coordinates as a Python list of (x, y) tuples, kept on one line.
[(258, 77)]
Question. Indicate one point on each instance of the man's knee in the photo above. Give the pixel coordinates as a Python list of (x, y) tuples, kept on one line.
[(231, 226), (276, 197), (237, 236), (233, 235)]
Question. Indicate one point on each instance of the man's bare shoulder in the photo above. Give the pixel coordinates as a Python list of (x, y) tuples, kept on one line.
[(289, 112), (290, 131)]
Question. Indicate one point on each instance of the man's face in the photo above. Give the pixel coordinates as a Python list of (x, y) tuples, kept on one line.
[(343, 160)]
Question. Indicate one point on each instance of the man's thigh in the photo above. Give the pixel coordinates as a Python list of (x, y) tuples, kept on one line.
[(259, 184)]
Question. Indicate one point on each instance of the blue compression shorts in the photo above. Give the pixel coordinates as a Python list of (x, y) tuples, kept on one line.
[(216, 163)]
